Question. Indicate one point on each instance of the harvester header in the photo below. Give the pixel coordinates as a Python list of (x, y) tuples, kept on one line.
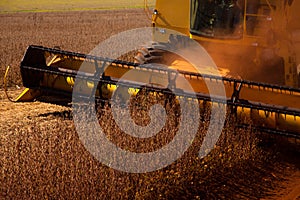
[(274, 108)]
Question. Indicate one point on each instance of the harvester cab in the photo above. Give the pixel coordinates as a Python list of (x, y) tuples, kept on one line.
[(256, 40), (251, 42)]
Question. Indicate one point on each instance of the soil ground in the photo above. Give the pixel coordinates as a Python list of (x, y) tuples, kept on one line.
[(42, 156)]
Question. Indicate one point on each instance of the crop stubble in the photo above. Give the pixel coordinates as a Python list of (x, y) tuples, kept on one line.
[(41, 154)]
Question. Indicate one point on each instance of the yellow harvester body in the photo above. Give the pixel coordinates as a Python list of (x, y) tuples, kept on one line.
[(255, 42)]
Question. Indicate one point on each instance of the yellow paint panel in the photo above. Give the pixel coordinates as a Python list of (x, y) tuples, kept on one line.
[(173, 14)]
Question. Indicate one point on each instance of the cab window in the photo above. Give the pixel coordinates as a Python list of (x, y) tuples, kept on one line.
[(217, 18)]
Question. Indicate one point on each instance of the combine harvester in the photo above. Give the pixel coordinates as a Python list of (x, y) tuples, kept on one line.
[(253, 43)]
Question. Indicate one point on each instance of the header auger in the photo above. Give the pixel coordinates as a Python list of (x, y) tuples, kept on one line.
[(272, 107), (251, 42)]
